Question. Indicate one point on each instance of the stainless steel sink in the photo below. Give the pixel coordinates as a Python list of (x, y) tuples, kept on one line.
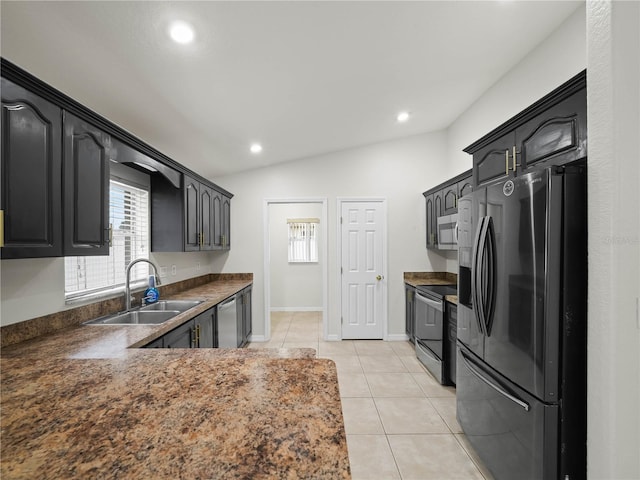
[(136, 317), (179, 305)]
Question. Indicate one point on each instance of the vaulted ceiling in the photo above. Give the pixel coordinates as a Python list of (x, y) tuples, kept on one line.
[(300, 78)]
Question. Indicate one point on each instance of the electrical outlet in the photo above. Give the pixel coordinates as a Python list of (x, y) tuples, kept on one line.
[(174, 270)]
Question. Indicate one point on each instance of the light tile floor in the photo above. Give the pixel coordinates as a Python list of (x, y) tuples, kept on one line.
[(400, 422)]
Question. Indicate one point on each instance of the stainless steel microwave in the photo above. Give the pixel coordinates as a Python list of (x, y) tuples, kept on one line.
[(448, 232)]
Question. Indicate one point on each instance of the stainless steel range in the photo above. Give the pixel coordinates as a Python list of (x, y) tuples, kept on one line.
[(430, 328)]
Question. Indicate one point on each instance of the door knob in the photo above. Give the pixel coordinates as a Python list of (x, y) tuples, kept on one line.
[(379, 277)]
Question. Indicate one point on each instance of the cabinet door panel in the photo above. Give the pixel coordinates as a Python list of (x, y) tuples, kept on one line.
[(86, 188), (560, 131), (31, 174), (218, 220), (465, 187), (490, 163), (181, 337), (431, 238), (450, 199), (226, 223), (205, 329), (247, 314), (192, 214), (206, 217)]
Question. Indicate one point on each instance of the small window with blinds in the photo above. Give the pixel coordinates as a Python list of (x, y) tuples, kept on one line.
[(303, 240), (129, 221)]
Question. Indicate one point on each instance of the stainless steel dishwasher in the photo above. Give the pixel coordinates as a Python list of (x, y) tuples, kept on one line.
[(227, 324)]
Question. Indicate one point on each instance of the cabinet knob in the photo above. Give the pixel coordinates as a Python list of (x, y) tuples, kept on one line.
[(379, 277)]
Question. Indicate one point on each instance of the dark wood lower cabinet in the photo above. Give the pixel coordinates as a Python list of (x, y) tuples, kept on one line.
[(410, 317), (202, 331), (181, 337), (205, 329), (243, 311)]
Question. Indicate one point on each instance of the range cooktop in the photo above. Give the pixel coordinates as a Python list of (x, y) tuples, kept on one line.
[(439, 291)]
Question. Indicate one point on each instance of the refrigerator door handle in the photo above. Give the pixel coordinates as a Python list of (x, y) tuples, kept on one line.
[(490, 286), (497, 388), (478, 276)]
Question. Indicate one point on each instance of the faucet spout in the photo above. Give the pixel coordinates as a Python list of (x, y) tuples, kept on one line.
[(127, 284)]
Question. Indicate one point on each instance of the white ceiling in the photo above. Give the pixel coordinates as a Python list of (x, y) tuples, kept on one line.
[(301, 78)]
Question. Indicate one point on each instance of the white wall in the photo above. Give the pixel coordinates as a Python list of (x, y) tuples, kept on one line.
[(398, 171), (613, 94), (30, 288), (558, 58), (294, 286)]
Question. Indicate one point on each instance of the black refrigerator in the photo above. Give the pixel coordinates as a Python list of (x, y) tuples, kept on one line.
[(521, 357)]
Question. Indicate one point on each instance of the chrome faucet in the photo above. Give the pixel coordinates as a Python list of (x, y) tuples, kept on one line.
[(127, 286)]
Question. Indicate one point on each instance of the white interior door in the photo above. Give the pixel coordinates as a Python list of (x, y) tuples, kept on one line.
[(363, 286)]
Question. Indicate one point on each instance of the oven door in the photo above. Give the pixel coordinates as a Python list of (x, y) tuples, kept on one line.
[(429, 334), (448, 232)]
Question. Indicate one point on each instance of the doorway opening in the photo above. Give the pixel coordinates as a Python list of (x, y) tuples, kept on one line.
[(292, 285)]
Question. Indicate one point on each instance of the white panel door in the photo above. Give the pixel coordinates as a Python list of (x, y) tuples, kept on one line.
[(362, 258)]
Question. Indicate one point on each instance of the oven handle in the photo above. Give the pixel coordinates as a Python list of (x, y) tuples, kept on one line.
[(498, 389), (428, 301)]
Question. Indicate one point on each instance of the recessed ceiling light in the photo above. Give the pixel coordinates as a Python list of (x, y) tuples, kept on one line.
[(256, 148), (181, 32), (403, 117)]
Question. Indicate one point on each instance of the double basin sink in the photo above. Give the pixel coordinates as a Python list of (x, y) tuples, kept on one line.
[(153, 314)]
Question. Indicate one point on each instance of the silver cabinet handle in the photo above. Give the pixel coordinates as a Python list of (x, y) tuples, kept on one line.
[(428, 301)]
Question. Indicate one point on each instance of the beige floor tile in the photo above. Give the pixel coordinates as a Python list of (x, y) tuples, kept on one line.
[(347, 364), (409, 415), (412, 363), (393, 385), (373, 347), (437, 457), (361, 416), (344, 347), (270, 344), (301, 337), (462, 440), (403, 348), (382, 364), (294, 344), (353, 385), (371, 458), (431, 387), (446, 407)]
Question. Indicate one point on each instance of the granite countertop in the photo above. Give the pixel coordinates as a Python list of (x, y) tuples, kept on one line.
[(430, 278), (81, 403), (452, 299)]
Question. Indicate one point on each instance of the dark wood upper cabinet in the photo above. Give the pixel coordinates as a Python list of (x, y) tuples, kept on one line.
[(191, 218), (442, 200), (31, 174), (430, 222), (494, 162), (85, 188), (465, 187), (54, 200), (552, 131), (450, 199), (191, 190), (558, 133)]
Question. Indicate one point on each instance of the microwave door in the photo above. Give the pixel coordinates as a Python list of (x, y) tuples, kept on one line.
[(447, 232)]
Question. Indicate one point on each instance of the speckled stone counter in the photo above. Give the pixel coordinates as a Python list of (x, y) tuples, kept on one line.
[(80, 403), (429, 278), (452, 299)]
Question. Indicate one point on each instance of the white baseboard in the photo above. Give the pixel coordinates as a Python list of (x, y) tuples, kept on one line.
[(257, 338), (397, 337), (296, 309)]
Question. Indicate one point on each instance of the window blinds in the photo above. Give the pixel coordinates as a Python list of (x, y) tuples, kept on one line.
[(303, 240), (129, 221)]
